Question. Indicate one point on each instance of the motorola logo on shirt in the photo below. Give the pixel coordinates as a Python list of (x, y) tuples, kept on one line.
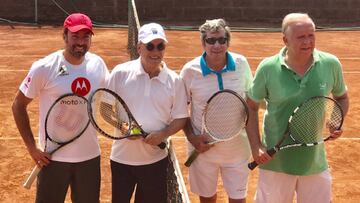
[(81, 86)]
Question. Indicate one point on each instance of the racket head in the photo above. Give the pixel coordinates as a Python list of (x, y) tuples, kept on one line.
[(313, 120), (66, 119), (112, 118), (225, 115), (110, 115)]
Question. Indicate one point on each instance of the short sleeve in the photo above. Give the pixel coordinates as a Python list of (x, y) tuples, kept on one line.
[(179, 109), (34, 81), (339, 85), (257, 90), (186, 77)]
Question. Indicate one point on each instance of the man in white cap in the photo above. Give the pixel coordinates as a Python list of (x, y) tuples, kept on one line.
[(77, 164), (157, 99)]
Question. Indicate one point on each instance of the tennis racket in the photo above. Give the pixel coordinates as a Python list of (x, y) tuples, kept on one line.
[(224, 117), (310, 124), (112, 118), (65, 121)]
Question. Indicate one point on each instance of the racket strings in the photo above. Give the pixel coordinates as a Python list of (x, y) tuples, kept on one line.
[(68, 122), (67, 119), (315, 119), (110, 115), (123, 123), (225, 116)]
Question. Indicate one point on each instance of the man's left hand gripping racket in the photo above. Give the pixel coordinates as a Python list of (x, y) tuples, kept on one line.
[(112, 118), (65, 121), (224, 117), (310, 124)]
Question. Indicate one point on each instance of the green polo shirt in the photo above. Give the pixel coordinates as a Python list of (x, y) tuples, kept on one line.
[(283, 90)]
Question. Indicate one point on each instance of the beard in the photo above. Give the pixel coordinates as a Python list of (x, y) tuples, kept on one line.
[(78, 51)]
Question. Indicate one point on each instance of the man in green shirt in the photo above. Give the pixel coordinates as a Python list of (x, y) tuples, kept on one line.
[(284, 81)]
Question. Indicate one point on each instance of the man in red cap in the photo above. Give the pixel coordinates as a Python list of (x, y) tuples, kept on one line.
[(71, 70)]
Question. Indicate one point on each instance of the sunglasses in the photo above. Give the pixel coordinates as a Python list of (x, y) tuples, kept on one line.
[(151, 46), (213, 40)]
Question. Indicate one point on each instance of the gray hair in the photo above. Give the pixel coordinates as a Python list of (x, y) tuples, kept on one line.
[(214, 25), (292, 18)]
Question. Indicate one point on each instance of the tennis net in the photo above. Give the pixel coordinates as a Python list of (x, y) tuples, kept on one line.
[(177, 192)]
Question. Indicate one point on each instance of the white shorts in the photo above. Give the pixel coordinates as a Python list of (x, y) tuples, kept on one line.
[(275, 187), (203, 177)]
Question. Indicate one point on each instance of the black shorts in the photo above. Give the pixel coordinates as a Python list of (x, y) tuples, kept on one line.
[(83, 177), (149, 180)]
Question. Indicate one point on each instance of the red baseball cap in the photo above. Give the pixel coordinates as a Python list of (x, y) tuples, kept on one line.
[(78, 21)]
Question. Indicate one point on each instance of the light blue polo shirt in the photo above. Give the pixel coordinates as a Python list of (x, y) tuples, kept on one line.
[(201, 82), (206, 70)]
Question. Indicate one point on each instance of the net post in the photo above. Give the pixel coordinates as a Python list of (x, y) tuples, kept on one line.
[(133, 29)]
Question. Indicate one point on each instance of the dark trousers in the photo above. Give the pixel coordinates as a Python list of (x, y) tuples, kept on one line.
[(149, 180), (83, 178)]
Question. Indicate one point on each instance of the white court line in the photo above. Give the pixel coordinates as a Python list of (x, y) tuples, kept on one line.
[(172, 137), (348, 138), (166, 57), (254, 57), (100, 137), (341, 138), (26, 70), (12, 70)]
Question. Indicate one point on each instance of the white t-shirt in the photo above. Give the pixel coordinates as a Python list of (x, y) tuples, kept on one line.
[(154, 102), (200, 88), (51, 77)]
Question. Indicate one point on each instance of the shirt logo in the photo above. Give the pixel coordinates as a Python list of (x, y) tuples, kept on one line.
[(154, 31), (322, 86), (63, 71), (81, 86), (27, 81)]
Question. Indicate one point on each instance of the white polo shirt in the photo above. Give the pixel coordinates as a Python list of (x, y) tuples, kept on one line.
[(53, 76), (201, 86), (154, 102)]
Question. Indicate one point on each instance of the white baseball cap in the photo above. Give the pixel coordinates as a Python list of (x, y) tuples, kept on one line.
[(151, 31)]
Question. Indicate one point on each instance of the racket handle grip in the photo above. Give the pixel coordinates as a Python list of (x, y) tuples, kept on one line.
[(191, 158), (252, 165), (270, 152), (162, 145), (32, 177)]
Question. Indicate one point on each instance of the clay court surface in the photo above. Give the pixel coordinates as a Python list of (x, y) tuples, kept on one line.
[(20, 46)]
